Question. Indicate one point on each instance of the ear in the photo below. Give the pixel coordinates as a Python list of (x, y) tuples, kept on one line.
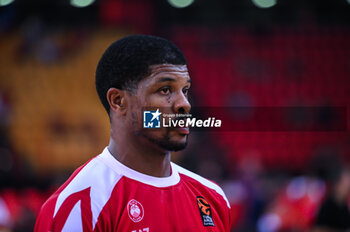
[(117, 101)]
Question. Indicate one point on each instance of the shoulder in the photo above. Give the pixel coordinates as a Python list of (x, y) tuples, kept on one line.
[(203, 182), (86, 192), (94, 177)]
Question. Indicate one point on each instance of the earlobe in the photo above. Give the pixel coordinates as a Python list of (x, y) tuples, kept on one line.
[(116, 100)]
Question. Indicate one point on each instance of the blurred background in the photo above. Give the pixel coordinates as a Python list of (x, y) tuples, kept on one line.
[(240, 53)]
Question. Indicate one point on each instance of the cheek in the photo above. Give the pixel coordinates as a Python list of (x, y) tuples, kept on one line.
[(157, 101), (157, 134), (134, 117), (168, 98), (135, 107), (134, 123)]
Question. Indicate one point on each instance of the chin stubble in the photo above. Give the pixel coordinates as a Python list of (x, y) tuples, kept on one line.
[(165, 143)]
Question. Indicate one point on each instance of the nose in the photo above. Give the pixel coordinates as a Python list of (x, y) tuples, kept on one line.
[(181, 104)]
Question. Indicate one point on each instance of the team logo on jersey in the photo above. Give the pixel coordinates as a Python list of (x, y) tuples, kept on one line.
[(151, 118), (205, 211), (135, 210)]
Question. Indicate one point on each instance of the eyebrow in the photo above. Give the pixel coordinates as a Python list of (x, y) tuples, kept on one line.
[(165, 79)]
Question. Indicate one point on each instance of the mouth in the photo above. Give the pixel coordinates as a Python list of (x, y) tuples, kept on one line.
[(178, 124), (182, 130)]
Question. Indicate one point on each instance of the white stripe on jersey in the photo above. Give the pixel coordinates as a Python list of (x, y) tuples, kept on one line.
[(202, 180), (102, 181), (74, 222)]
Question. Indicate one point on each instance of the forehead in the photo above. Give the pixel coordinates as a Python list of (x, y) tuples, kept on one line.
[(168, 68), (176, 72)]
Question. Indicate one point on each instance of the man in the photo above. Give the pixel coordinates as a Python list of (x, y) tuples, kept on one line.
[(132, 185)]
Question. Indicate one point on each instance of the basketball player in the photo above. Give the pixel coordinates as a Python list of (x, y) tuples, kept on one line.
[(132, 185)]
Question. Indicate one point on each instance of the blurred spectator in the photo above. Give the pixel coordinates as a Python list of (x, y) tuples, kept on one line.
[(334, 214), (5, 220), (294, 207), (199, 158)]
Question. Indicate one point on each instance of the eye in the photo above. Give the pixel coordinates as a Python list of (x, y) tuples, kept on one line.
[(164, 90), (185, 90)]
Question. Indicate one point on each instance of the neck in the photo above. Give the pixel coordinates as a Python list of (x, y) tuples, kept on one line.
[(146, 160)]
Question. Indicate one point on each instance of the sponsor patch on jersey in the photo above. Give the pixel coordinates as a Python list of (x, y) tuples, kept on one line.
[(135, 210), (205, 211)]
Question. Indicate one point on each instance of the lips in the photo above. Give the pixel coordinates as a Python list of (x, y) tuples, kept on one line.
[(183, 130), (177, 124)]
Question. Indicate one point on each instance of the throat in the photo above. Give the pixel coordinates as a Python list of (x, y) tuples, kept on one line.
[(149, 163)]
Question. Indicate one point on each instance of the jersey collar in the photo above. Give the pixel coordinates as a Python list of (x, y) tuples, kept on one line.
[(108, 159)]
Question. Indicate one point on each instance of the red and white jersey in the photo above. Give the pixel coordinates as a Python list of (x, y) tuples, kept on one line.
[(105, 195)]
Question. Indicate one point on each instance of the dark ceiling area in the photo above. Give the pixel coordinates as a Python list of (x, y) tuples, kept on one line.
[(204, 12)]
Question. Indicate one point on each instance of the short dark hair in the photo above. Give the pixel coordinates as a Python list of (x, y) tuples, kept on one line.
[(126, 62)]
